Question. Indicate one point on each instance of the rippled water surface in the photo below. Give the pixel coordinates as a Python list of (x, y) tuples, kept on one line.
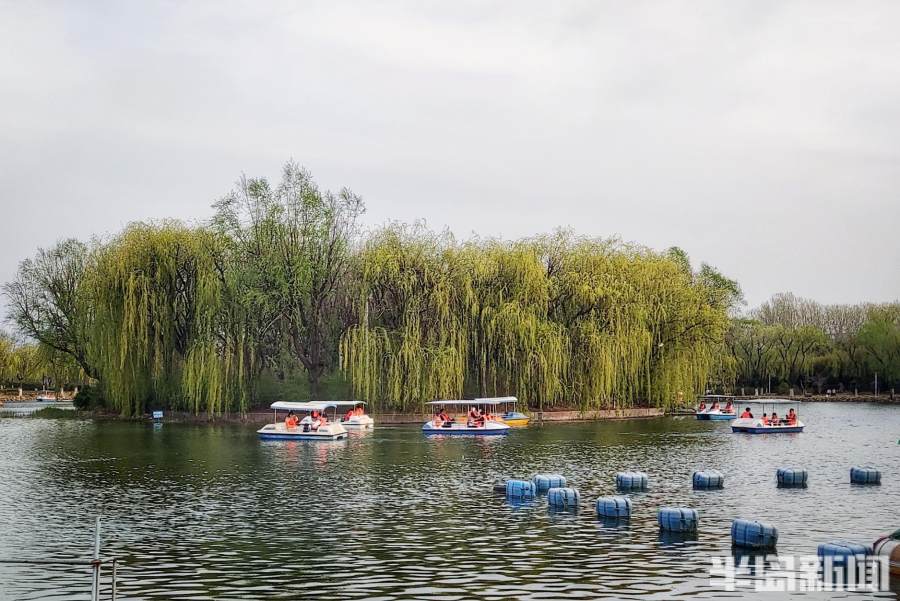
[(210, 512)]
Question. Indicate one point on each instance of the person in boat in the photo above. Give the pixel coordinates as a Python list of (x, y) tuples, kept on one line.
[(765, 419), (481, 419), (350, 413), (715, 406), (359, 412), (702, 407), (729, 407), (746, 414), (791, 417), (291, 421), (774, 420), (315, 420)]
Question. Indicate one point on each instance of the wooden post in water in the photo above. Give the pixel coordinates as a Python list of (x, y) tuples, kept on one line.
[(20, 392), (95, 585)]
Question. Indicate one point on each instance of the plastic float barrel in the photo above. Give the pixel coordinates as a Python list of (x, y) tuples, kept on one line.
[(520, 489), (865, 475), (840, 551), (753, 535), (791, 476), (563, 498), (889, 546), (708, 479), (631, 481), (677, 519), (614, 507), (545, 482)]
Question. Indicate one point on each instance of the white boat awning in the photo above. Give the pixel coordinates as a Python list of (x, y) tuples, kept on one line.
[(347, 403), (498, 399), (771, 401), (295, 406), (463, 403)]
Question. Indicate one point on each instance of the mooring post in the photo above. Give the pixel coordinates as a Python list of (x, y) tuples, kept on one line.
[(114, 571), (95, 586)]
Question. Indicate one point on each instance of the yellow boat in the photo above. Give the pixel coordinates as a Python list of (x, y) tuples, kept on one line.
[(510, 417)]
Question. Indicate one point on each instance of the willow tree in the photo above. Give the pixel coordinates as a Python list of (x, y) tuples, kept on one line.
[(556, 320), (291, 247), (161, 332)]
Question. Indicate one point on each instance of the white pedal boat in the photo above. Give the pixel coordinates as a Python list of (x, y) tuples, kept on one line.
[(306, 430), (459, 427), (355, 422), (755, 425)]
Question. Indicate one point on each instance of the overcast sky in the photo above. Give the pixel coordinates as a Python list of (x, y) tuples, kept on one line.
[(762, 137)]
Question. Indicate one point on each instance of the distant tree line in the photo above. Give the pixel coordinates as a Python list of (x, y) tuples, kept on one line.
[(791, 342), (282, 295)]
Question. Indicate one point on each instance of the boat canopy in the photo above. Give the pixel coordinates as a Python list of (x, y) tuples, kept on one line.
[(498, 399), (772, 401), (462, 403), (347, 403), (717, 396), (295, 406)]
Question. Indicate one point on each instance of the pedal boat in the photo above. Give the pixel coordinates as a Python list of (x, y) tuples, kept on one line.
[(717, 414), (459, 426), (754, 425), (355, 422), (510, 416), (333, 430)]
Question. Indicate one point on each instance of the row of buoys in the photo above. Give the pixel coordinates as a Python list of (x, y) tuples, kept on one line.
[(744, 533)]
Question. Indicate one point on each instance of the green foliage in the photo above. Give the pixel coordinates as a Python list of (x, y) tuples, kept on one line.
[(556, 320), (89, 398), (800, 343), (53, 413)]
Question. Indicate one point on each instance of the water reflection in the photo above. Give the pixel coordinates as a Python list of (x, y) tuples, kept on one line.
[(213, 513)]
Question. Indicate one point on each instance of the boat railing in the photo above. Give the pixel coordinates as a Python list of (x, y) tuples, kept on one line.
[(96, 563)]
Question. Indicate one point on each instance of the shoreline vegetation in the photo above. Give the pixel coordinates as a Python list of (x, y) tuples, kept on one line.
[(281, 294), (261, 415)]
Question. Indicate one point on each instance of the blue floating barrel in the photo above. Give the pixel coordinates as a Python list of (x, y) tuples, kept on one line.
[(614, 507), (677, 519), (563, 498), (841, 551), (520, 489), (791, 476), (865, 475), (709, 479), (545, 482), (753, 535), (631, 481)]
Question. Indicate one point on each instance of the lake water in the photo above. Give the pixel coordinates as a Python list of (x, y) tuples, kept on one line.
[(210, 512)]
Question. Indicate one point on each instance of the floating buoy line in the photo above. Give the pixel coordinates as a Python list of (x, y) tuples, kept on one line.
[(745, 533)]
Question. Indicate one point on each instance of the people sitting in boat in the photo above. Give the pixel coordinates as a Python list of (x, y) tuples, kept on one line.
[(791, 417), (774, 420), (350, 413), (291, 421), (359, 411), (746, 414), (715, 406), (702, 407), (729, 407), (315, 421), (765, 419)]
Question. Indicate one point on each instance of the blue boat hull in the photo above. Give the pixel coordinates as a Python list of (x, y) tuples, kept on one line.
[(781, 430), (461, 432), (716, 416), (298, 437)]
